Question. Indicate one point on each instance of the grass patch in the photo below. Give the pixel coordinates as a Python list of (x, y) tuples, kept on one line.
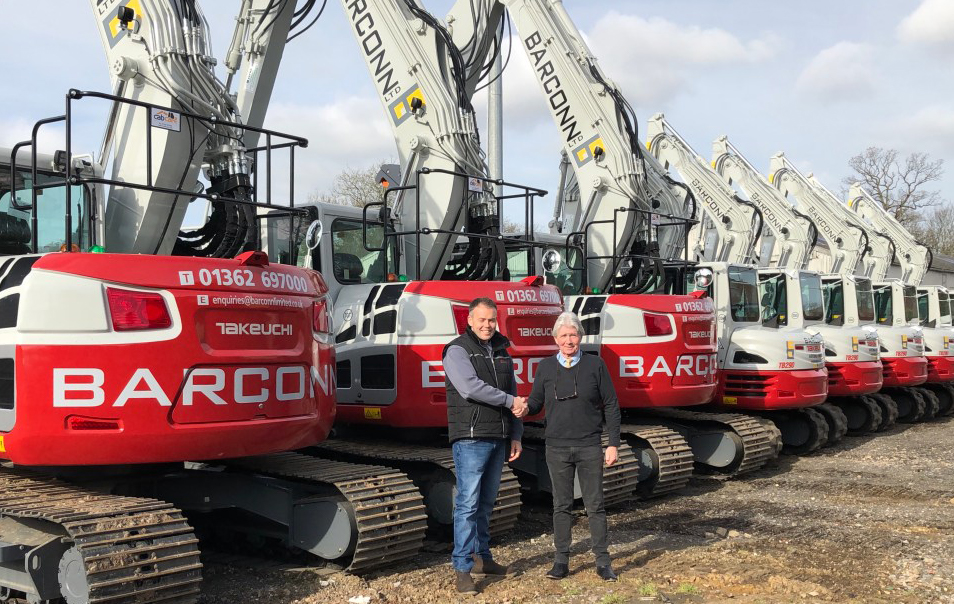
[(612, 599), (687, 588), (571, 589), (648, 589)]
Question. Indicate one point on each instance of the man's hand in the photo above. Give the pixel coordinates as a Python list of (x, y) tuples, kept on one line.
[(520, 406), (611, 455), (516, 448)]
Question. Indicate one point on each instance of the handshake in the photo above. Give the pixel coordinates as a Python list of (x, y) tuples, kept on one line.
[(520, 407)]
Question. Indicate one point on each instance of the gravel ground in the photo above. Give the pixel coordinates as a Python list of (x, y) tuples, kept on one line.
[(870, 520)]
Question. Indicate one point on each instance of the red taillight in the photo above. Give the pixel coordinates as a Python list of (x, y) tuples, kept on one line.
[(322, 316), (460, 317), (657, 325), (76, 422), (132, 310)]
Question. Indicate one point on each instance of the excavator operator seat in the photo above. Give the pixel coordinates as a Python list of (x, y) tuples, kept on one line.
[(347, 267)]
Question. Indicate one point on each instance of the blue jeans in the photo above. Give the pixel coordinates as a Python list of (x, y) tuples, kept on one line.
[(478, 465)]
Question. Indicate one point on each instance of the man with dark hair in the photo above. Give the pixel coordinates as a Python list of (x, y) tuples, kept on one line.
[(483, 426)]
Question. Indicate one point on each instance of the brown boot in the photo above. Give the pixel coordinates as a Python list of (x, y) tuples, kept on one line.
[(465, 584), (489, 567)]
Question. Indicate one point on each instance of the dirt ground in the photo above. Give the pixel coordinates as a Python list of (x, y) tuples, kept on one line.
[(869, 520)]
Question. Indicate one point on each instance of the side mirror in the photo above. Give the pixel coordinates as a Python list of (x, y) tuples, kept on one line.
[(552, 261), (313, 235)]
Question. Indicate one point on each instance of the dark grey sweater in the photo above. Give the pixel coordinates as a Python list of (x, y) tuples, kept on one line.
[(578, 420)]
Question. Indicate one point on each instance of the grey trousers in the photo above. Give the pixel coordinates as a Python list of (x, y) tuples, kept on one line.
[(586, 463)]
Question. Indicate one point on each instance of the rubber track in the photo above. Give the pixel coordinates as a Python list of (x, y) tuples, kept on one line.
[(818, 427), (947, 408), (889, 409), (872, 410), (838, 422), (759, 443), (931, 403), (136, 550), (506, 507), (919, 406), (620, 480), (673, 453), (388, 508)]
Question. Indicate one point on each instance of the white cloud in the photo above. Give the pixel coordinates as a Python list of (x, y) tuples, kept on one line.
[(14, 130), (653, 60), (841, 72), (931, 24), (350, 132), (931, 130)]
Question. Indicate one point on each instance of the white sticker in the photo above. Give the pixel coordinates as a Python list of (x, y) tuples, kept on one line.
[(500, 295), (168, 120), (186, 278), (475, 185), (202, 300)]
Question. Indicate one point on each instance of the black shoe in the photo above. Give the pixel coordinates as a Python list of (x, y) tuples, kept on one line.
[(606, 573), (465, 584), (560, 570), (488, 567)]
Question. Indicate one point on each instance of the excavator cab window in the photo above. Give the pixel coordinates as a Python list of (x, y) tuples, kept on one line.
[(911, 304), (774, 300), (883, 305), (744, 295), (813, 306), (15, 231), (866, 302), (518, 263), (924, 309), (352, 262), (834, 294), (284, 235), (944, 301)]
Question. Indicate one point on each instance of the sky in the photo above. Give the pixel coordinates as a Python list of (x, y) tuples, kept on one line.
[(821, 81)]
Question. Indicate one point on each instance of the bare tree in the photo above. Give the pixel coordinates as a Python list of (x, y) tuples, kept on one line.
[(353, 187), (936, 229), (898, 185)]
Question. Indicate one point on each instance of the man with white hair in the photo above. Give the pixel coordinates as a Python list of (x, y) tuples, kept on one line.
[(577, 391)]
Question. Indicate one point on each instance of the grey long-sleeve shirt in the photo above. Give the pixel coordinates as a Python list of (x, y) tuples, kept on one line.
[(461, 373)]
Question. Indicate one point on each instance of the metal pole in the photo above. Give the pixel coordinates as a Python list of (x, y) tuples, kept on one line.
[(495, 121)]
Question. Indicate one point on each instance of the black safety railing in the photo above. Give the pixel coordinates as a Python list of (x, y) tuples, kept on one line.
[(274, 141), (528, 194), (643, 218)]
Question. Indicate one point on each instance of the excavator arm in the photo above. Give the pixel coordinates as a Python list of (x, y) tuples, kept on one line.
[(795, 233), (880, 253), (420, 77), (847, 241), (731, 225), (159, 56), (914, 257), (625, 207)]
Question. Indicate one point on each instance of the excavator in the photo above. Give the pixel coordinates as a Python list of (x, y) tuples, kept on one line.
[(849, 301), (148, 373), (623, 233), (402, 271), (770, 363), (897, 302), (900, 340), (849, 347)]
